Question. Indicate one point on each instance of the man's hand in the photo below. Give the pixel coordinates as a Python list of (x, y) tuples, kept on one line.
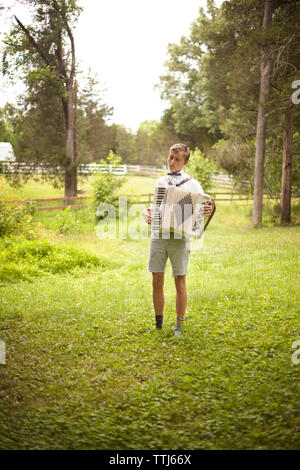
[(208, 207), (147, 213)]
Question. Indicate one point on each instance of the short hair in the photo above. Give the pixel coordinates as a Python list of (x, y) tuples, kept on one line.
[(181, 147)]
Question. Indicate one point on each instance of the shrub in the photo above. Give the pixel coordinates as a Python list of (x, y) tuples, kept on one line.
[(12, 272), (15, 218), (64, 221), (201, 168), (106, 184), (235, 156), (22, 259)]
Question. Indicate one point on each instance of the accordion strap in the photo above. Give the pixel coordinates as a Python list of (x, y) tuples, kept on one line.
[(181, 182)]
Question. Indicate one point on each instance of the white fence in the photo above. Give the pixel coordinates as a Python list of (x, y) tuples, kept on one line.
[(83, 169), (222, 179), (90, 168)]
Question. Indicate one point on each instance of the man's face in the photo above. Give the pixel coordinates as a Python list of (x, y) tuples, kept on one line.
[(176, 161)]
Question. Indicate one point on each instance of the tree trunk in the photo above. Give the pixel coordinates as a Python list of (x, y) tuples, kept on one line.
[(265, 78), (286, 178), (70, 169), (70, 183), (75, 122)]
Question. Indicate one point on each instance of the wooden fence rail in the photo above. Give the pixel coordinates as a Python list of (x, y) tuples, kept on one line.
[(145, 199)]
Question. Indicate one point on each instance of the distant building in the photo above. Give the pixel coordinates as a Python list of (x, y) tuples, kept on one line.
[(6, 152)]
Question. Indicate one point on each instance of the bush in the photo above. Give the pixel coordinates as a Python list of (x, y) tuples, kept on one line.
[(11, 272), (64, 221), (236, 157), (201, 168), (106, 185), (15, 218), (22, 259)]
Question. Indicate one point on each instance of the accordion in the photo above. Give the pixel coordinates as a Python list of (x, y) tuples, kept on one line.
[(178, 210)]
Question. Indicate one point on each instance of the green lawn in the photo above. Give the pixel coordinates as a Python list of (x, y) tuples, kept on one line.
[(39, 189), (81, 373)]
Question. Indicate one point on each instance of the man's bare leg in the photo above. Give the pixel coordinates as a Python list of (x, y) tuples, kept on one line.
[(181, 301), (158, 297)]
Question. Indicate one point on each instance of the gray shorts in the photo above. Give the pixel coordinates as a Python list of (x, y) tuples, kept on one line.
[(177, 250)]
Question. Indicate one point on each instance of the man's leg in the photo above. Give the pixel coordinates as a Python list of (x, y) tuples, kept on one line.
[(181, 301), (158, 297)]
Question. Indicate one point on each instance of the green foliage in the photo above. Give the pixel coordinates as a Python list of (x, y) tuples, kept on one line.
[(5, 130), (296, 165), (212, 82), (95, 137), (201, 168), (11, 272), (42, 54), (236, 157), (15, 218), (23, 259), (106, 184), (64, 221), (81, 373)]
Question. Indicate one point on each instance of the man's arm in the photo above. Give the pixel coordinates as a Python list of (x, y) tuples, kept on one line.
[(197, 188)]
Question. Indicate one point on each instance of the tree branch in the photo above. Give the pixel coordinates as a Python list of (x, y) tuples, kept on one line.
[(62, 14), (33, 42)]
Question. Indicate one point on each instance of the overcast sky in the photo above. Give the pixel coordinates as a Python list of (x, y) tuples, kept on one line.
[(125, 43)]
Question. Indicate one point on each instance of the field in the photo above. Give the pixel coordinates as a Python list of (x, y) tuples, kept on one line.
[(80, 371)]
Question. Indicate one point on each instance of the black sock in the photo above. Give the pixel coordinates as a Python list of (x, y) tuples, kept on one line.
[(159, 321)]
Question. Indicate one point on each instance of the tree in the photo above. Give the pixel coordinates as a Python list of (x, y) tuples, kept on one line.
[(5, 130), (220, 73), (283, 115), (152, 142), (265, 80), (286, 181), (289, 65), (45, 53), (183, 87), (95, 136)]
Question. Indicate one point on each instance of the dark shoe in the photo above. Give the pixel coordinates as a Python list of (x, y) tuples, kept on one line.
[(153, 329)]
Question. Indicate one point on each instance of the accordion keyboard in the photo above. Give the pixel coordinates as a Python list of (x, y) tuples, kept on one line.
[(178, 210), (159, 198)]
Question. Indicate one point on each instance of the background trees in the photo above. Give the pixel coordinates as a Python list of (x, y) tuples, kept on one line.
[(95, 136), (228, 83), (44, 52), (232, 77)]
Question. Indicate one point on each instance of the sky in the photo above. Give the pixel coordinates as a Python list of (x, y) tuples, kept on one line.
[(124, 42)]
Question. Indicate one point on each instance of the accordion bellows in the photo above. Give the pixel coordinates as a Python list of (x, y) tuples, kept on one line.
[(178, 210)]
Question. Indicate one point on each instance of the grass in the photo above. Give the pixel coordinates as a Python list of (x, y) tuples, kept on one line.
[(39, 189), (81, 373)]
